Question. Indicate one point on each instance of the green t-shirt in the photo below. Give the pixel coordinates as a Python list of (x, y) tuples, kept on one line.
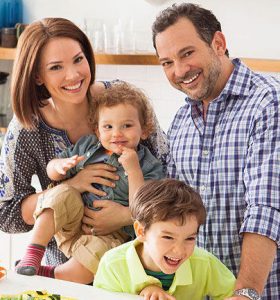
[(165, 279)]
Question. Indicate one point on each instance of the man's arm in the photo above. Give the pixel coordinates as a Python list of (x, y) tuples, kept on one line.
[(258, 253), (261, 179)]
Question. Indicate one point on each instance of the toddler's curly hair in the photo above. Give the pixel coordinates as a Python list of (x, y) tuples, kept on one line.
[(124, 93)]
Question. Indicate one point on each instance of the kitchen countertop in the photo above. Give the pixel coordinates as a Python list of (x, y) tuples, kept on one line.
[(14, 283)]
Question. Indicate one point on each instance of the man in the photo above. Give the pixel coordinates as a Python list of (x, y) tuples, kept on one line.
[(225, 142)]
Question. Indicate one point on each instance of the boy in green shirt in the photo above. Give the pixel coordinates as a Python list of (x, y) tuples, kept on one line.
[(163, 262)]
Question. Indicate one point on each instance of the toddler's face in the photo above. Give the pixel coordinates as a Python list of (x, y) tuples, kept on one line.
[(167, 244), (119, 126)]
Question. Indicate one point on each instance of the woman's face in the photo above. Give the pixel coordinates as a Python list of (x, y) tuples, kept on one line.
[(64, 70)]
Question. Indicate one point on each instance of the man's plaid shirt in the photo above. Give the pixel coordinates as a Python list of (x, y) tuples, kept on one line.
[(233, 160)]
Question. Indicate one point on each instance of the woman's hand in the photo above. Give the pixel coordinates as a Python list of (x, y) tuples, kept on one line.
[(155, 292), (111, 217), (96, 173)]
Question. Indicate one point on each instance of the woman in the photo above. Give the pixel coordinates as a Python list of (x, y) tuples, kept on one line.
[(52, 85)]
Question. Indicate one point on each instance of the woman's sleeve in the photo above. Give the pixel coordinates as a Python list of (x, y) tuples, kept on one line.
[(17, 165), (157, 144)]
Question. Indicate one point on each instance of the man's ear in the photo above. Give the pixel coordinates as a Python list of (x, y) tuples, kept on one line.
[(219, 43), (139, 231)]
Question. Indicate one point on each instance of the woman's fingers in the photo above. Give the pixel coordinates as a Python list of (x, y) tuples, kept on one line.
[(118, 215), (88, 217), (96, 173), (95, 191), (101, 166), (101, 172), (86, 229), (102, 181)]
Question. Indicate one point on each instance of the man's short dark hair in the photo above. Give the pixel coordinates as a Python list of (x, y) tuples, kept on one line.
[(204, 21)]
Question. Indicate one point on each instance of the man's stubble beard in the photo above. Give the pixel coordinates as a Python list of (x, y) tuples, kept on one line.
[(209, 82)]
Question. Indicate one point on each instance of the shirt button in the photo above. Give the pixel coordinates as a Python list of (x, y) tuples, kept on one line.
[(203, 188), (88, 154), (205, 152)]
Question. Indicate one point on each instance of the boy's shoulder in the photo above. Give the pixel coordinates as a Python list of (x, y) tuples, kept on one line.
[(117, 254), (203, 261), (203, 255), (200, 252)]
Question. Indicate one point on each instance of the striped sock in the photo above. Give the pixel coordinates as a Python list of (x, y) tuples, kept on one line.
[(46, 271), (31, 261)]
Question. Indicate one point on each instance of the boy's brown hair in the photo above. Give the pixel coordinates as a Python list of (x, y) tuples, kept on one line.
[(166, 199), (124, 93)]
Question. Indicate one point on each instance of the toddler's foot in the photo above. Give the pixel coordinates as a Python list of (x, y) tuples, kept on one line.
[(31, 261), (46, 271)]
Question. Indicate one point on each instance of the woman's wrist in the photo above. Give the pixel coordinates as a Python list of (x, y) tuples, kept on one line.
[(125, 216), (73, 183)]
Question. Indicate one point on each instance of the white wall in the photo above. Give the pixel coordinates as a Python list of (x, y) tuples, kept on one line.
[(251, 26)]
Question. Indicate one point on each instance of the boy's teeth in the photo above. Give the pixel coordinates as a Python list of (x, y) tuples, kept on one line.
[(191, 79), (173, 259)]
